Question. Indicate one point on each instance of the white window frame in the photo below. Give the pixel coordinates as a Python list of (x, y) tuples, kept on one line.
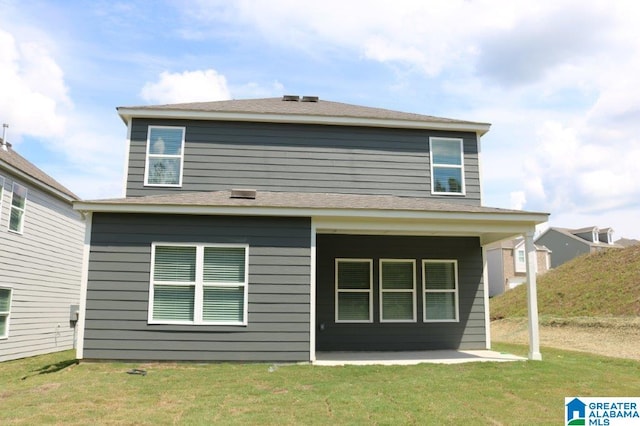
[(412, 291), (354, 290), (454, 290), (200, 284), (7, 314), (451, 166), (148, 155), (520, 264), (20, 230)]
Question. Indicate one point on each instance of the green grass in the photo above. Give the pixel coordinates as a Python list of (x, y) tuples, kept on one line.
[(53, 389), (604, 284)]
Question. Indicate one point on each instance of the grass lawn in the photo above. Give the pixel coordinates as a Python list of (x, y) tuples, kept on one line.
[(53, 389)]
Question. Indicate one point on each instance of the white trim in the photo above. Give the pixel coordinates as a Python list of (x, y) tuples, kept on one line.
[(369, 291), (519, 265), (8, 313), (532, 298), (84, 280), (522, 220), (432, 164), (148, 155), (480, 171), (455, 290), (485, 292), (128, 113), (199, 284), (20, 230), (1, 194), (125, 177), (381, 291), (312, 295)]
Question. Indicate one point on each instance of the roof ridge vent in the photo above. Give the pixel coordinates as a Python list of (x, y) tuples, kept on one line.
[(310, 99), (246, 194), (294, 98)]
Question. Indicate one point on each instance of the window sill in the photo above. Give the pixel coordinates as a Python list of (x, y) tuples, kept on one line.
[(234, 324), (450, 194)]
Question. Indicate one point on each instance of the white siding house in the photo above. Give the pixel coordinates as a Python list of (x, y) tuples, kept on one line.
[(41, 241)]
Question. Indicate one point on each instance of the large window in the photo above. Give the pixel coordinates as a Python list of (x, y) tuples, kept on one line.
[(18, 206), (354, 294), (165, 155), (447, 166), (5, 308), (397, 290), (199, 284), (440, 285)]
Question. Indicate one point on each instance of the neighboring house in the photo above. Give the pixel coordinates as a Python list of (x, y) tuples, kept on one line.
[(626, 242), (566, 244), (272, 229), (506, 261), (41, 242)]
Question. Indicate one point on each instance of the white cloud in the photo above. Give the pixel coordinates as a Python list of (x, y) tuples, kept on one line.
[(34, 95), (188, 86), (518, 200)]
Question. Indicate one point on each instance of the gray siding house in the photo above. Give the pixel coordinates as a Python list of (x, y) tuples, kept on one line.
[(277, 229), (506, 262), (566, 244), (41, 251)]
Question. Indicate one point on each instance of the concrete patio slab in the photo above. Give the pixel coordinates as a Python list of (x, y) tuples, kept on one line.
[(412, 357)]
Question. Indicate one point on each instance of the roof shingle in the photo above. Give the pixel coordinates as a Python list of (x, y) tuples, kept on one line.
[(16, 161)]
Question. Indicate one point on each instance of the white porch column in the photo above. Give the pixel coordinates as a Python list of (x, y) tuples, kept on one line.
[(532, 297)]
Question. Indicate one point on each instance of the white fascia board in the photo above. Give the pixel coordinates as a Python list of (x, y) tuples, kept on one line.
[(36, 183), (128, 113), (489, 227), (356, 217)]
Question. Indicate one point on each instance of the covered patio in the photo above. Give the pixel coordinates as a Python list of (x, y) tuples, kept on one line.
[(333, 359)]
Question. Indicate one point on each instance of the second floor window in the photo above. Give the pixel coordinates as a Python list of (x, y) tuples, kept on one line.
[(447, 166), (165, 155), (18, 206)]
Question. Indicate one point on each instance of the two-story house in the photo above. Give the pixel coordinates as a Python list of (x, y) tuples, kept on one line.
[(566, 244), (274, 229), (507, 265), (41, 252)]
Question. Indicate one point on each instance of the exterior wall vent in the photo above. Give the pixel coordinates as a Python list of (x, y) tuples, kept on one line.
[(290, 98), (247, 194), (310, 99)]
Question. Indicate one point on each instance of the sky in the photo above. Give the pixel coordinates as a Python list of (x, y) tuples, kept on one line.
[(558, 80)]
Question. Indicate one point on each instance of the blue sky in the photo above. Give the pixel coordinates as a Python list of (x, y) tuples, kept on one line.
[(559, 81)]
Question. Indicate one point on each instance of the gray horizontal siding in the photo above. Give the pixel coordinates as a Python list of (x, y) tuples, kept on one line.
[(305, 158), (43, 267), (563, 248), (118, 290), (468, 333)]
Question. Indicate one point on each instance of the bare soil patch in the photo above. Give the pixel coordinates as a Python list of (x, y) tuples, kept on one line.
[(615, 337)]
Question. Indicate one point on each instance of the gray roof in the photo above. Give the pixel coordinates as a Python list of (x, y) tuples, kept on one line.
[(16, 161), (571, 233), (627, 242), (512, 243), (297, 108), (304, 200)]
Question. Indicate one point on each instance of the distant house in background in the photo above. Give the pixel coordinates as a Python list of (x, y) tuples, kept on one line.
[(627, 242), (507, 267), (41, 246), (566, 244)]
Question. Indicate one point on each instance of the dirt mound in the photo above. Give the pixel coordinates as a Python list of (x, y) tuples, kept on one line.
[(615, 337)]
